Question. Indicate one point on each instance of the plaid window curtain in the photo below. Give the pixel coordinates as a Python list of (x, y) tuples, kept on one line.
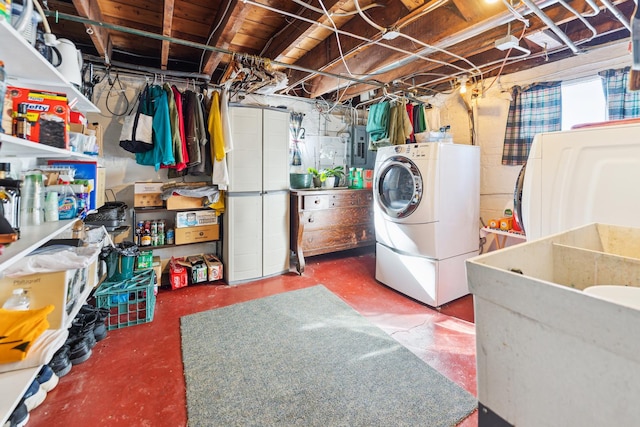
[(621, 103), (534, 109)]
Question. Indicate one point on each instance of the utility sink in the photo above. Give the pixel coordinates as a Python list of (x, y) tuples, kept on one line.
[(558, 329)]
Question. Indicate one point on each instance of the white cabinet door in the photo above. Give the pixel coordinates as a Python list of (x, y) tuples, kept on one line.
[(275, 146), (243, 238), (275, 226), (245, 160)]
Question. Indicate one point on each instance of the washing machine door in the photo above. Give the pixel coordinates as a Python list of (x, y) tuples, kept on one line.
[(398, 187)]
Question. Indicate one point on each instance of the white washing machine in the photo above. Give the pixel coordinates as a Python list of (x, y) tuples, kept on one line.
[(426, 210)]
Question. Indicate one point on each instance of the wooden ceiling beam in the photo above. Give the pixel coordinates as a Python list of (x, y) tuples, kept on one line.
[(297, 32), (327, 52), (167, 22), (228, 24), (481, 50), (99, 36)]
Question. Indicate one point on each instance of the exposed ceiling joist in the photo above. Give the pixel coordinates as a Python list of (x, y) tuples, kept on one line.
[(100, 37), (167, 22)]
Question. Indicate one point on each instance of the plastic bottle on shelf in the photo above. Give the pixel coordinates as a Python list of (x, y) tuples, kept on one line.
[(51, 206), (10, 196), (19, 300), (67, 202)]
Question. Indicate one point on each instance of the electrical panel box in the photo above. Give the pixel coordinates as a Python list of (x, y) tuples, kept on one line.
[(360, 156)]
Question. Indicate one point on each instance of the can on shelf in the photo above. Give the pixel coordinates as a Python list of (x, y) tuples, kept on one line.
[(170, 237)]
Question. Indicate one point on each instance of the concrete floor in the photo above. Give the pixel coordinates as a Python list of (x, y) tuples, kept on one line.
[(134, 377)]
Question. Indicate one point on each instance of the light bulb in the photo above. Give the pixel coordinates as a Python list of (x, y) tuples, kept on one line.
[(463, 83)]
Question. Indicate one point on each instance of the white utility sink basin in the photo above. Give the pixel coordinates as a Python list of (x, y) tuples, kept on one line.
[(556, 344)]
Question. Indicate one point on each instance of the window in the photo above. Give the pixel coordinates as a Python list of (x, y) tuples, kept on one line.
[(583, 102)]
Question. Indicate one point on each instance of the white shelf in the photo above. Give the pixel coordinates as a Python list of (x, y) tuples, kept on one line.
[(25, 67), (10, 146), (14, 385), (31, 238)]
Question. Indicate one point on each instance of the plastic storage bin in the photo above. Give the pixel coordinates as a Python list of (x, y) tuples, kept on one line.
[(130, 302), (548, 353)]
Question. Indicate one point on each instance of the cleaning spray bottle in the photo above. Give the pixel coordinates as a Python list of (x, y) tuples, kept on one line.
[(67, 201)]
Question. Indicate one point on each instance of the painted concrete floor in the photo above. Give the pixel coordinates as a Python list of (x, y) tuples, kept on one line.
[(134, 376)]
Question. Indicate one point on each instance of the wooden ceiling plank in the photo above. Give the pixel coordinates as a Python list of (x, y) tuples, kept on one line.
[(99, 36), (481, 50), (230, 23), (326, 53), (295, 34), (167, 23)]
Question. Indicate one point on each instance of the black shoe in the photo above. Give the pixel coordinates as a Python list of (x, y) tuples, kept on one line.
[(83, 326), (19, 417), (100, 328), (61, 363), (100, 331), (79, 352)]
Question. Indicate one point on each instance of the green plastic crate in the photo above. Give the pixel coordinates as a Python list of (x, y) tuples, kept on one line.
[(130, 301)]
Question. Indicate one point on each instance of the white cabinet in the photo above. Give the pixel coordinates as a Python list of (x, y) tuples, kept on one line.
[(256, 227), (26, 67)]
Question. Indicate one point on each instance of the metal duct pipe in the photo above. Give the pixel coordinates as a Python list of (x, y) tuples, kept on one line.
[(614, 10), (552, 25), (115, 27)]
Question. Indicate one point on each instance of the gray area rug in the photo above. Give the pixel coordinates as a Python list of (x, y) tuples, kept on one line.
[(306, 358)]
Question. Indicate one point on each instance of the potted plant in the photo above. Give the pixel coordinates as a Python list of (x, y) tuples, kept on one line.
[(318, 177), (337, 172)]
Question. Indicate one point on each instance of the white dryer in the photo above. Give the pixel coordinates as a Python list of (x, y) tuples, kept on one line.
[(426, 210)]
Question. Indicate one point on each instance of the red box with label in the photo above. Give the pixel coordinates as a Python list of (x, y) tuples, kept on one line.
[(48, 113), (178, 277)]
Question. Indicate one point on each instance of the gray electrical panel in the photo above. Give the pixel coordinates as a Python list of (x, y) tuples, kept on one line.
[(360, 156)]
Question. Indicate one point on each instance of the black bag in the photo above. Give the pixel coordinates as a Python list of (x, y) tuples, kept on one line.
[(137, 129)]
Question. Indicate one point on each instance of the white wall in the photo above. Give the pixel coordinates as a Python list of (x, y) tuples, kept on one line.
[(490, 114)]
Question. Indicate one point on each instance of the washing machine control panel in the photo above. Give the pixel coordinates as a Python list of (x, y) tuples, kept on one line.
[(414, 151)]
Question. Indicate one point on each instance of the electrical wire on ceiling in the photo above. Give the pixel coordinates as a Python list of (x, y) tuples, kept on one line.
[(224, 15), (196, 45), (366, 40), (335, 31), (322, 11), (414, 40)]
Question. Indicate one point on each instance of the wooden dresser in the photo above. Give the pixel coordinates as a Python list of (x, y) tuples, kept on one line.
[(325, 221)]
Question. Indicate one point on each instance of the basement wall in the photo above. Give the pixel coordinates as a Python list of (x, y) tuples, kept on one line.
[(489, 121)]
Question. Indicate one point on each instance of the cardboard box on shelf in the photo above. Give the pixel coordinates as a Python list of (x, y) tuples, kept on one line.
[(204, 233), (214, 267), (147, 194), (196, 218), (183, 202), (62, 289), (198, 268), (177, 274), (48, 113)]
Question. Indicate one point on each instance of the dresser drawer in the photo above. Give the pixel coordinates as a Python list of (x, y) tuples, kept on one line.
[(338, 200), (317, 202), (313, 220), (337, 238)]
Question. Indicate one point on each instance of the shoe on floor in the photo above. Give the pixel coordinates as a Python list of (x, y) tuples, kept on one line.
[(79, 350), (47, 378), (34, 396), (19, 417), (61, 363)]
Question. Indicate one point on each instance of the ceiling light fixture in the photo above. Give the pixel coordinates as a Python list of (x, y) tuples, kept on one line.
[(390, 33), (463, 84)]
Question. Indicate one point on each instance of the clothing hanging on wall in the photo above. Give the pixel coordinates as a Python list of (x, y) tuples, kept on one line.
[(162, 153), (220, 175)]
